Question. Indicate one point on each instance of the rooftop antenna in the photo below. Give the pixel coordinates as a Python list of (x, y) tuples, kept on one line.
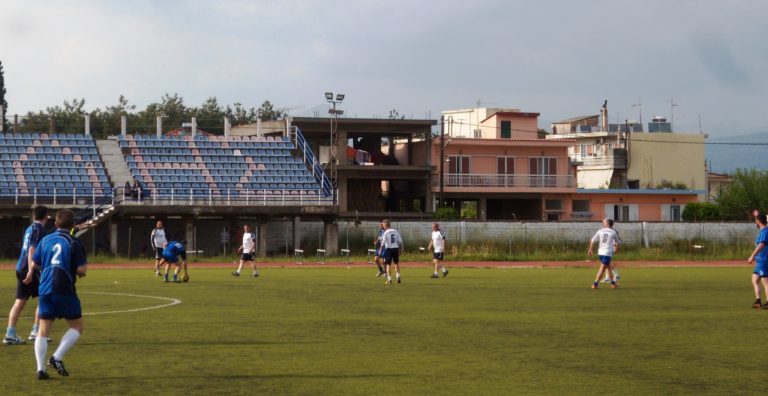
[(701, 131), (672, 106), (639, 106)]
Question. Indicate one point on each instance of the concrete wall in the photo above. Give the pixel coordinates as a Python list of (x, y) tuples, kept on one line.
[(654, 157), (415, 234)]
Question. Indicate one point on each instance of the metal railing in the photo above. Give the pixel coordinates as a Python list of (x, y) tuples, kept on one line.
[(166, 196), (309, 159), (605, 160), (224, 197), (503, 180), (56, 196)]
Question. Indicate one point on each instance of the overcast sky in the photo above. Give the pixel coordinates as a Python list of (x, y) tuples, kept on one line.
[(560, 57)]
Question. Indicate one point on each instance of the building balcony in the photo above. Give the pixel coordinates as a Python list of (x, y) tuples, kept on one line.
[(504, 181), (618, 160)]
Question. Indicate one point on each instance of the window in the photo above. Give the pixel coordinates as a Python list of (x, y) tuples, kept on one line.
[(506, 129), (674, 212), (622, 212), (543, 165), (553, 205), (580, 206), (458, 164), (505, 165)]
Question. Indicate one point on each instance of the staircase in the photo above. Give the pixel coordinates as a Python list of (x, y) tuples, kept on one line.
[(93, 215), (114, 161)]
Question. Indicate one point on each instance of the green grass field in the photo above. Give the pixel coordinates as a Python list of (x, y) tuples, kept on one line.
[(342, 331)]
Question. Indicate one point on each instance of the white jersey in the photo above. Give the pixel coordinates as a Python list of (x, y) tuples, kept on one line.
[(249, 239), (606, 237), (158, 238), (438, 241), (392, 239)]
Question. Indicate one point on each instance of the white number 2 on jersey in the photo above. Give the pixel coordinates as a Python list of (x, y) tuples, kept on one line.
[(56, 253)]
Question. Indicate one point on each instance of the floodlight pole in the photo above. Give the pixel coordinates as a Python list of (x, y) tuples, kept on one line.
[(334, 143)]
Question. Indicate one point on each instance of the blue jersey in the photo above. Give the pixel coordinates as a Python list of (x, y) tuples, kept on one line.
[(762, 237), (32, 237), (379, 237), (173, 249), (59, 255)]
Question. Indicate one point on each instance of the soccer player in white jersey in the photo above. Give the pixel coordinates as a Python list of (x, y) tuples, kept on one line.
[(247, 248), (158, 240), (608, 240), (391, 242), (438, 244)]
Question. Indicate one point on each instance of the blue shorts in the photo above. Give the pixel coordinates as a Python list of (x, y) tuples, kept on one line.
[(606, 260), (437, 256), (173, 259), (55, 306), (761, 269)]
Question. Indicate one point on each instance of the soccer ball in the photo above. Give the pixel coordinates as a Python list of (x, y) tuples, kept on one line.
[(185, 278)]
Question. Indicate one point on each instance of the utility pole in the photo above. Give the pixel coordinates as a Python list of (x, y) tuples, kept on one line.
[(639, 106), (334, 144)]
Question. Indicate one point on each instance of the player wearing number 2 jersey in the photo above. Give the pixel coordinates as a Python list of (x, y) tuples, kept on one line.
[(61, 259), (608, 240)]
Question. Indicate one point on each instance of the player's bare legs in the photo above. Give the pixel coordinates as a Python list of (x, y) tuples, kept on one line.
[(255, 270), (388, 270), (756, 285), (397, 272), (240, 267)]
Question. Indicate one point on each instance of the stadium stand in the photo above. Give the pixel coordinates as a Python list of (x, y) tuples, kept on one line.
[(55, 165), (235, 167)]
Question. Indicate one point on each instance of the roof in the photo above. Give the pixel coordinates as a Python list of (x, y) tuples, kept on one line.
[(512, 113), (574, 119), (643, 191)]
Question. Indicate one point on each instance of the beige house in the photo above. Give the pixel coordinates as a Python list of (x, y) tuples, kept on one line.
[(490, 123)]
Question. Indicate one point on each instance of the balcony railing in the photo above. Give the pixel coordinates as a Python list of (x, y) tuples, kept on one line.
[(502, 180)]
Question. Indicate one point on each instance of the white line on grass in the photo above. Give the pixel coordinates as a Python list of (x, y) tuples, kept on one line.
[(173, 301)]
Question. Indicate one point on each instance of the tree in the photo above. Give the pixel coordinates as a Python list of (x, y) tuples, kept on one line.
[(3, 102), (267, 112), (748, 191)]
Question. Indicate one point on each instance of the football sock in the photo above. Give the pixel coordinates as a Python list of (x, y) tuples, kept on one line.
[(398, 275), (445, 270), (67, 341), (35, 328), (41, 348), (436, 272), (10, 332), (389, 278)]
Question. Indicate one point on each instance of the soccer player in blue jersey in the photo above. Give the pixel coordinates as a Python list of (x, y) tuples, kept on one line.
[(32, 236), (171, 255), (760, 258), (377, 251), (61, 259)]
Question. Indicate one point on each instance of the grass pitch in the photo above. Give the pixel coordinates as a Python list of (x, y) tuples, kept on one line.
[(342, 331)]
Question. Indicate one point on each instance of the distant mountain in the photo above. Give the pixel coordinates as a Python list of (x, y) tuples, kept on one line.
[(727, 158)]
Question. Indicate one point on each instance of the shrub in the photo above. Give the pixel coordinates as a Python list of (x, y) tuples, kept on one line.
[(446, 213), (702, 211)]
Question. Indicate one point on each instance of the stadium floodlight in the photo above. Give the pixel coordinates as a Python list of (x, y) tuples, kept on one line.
[(339, 97), (329, 95)]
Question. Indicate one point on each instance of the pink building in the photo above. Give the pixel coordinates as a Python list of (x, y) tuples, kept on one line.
[(495, 164)]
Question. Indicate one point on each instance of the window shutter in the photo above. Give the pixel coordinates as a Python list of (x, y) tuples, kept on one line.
[(609, 211), (665, 212), (633, 212)]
